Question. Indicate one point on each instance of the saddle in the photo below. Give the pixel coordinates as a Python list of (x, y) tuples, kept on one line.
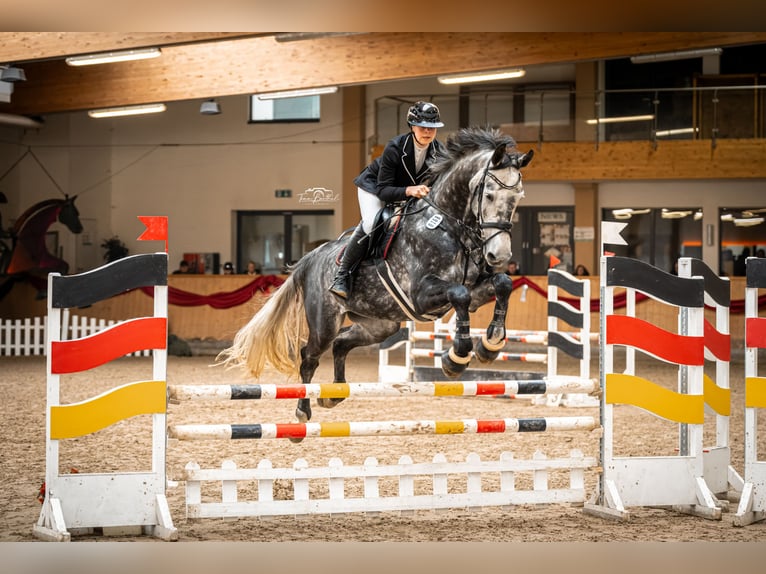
[(385, 230)]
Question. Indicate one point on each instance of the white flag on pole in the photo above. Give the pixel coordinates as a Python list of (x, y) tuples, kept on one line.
[(610, 233)]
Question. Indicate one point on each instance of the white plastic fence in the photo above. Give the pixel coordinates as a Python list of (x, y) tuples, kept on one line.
[(28, 336)]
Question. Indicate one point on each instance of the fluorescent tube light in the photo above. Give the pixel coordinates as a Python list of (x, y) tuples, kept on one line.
[(21, 121), (668, 214), (681, 55), (298, 93), (127, 111), (619, 119), (675, 132), (482, 76), (748, 222), (628, 212), (110, 57)]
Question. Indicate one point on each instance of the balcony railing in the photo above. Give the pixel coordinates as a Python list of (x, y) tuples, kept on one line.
[(719, 107)]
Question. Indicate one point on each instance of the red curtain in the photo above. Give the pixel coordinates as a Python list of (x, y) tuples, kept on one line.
[(221, 300)]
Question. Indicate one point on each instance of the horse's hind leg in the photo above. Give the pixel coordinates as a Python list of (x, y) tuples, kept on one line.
[(493, 341), (309, 364), (323, 329), (358, 335)]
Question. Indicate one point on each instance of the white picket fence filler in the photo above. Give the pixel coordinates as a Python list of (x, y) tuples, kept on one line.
[(23, 336), (372, 499), (28, 336)]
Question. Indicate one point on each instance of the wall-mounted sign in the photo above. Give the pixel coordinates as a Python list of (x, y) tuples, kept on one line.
[(584, 233)]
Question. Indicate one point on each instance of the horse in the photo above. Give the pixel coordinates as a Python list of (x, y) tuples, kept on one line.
[(28, 257), (450, 252)]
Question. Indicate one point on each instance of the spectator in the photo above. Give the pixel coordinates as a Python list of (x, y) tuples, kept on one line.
[(513, 268), (252, 268), (183, 268), (581, 271), (228, 268)]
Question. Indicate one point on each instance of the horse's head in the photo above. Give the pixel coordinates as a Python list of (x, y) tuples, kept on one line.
[(70, 216), (497, 191)]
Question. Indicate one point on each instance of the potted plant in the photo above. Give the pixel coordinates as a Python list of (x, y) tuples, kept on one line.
[(114, 249)]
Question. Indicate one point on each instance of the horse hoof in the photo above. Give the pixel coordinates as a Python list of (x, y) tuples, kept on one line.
[(296, 439), (302, 416), (483, 354), (450, 368), (328, 403)]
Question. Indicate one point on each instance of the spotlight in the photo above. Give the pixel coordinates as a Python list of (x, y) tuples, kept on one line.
[(13, 74), (210, 108)]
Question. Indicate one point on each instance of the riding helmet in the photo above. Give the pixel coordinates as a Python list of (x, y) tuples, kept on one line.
[(425, 115)]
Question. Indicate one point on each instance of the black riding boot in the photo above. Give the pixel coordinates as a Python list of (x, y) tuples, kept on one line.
[(353, 254)]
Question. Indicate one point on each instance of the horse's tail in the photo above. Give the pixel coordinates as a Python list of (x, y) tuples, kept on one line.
[(273, 336)]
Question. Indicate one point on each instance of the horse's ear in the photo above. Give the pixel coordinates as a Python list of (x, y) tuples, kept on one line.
[(499, 156), (525, 158)]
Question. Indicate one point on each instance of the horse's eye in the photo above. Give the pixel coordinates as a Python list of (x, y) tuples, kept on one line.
[(489, 197)]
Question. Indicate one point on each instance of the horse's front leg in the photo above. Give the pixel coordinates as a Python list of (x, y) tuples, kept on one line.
[(435, 293), (489, 346)]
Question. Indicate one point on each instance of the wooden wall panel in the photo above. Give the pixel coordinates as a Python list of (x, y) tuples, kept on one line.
[(692, 159)]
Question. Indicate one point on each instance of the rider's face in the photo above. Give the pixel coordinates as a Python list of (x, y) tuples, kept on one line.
[(424, 136)]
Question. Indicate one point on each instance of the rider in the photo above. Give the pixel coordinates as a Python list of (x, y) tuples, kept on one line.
[(400, 172)]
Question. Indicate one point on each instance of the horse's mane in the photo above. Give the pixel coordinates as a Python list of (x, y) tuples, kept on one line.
[(467, 141)]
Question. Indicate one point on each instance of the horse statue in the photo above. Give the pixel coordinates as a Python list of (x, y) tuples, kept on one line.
[(28, 257), (450, 252)]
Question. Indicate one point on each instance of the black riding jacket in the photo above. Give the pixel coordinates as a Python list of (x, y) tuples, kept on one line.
[(389, 175)]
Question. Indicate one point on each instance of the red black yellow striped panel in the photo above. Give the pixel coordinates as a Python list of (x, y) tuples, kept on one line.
[(140, 398), (755, 332), (670, 405), (142, 270), (679, 349), (121, 339)]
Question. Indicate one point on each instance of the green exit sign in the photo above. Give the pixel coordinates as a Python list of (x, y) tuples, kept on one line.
[(283, 193)]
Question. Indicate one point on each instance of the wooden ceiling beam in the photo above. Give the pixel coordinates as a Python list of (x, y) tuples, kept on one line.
[(23, 47), (261, 64)]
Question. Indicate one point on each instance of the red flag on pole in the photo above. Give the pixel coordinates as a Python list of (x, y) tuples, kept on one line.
[(554, 261), (156, 229)]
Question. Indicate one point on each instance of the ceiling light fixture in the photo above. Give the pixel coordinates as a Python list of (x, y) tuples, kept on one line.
[(668, 214), (619, 119), (210, 108), (680, 55), (127, 111), (298, 93), (482, 76), (749, 222), (20, 121), (111, 57), (675, 132), (298, 36), (12, 74), (628, 212)]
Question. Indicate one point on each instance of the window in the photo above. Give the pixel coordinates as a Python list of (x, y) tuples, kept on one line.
[(743, 235), (273, 239), (658, 236), (300, 109)]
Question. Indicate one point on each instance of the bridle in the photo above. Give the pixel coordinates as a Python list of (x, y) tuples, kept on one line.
[(473, 233), (500, 225)]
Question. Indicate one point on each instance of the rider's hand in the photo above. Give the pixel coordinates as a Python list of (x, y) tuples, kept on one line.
[(417, 191)]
